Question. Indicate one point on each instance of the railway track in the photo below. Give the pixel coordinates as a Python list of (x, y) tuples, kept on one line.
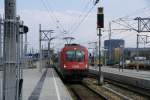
[(125, 92), (80, 91), (83, 92), (110, 90), (134, 92)]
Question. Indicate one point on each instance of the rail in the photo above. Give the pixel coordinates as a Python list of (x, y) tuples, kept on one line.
[(83, 92)]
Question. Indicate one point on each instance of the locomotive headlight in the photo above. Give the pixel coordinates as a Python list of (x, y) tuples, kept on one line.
[(86, 66), (65, 66)]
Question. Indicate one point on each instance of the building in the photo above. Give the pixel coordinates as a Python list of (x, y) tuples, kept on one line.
[(114, 50), (131, 53), (113, 43)]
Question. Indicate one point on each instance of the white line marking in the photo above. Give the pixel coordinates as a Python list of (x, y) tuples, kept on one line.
[(56, 87), (0, 89), (119, 94)]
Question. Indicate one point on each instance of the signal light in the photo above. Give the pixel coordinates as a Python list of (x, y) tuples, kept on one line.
[(100, 18), (65, 66)]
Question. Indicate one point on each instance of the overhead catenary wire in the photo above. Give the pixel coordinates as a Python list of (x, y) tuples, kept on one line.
[(79, 17), (82, 20), (126, 18), (138, 11), (52, 15), (56, 18), (126, 24), (84, 17), (123, 20)]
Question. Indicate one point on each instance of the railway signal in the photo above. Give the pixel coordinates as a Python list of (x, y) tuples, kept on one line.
[(100, 18), (100, 24)]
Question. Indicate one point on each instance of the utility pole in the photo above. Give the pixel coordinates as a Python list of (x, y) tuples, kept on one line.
[(105, 57), (139, 28), (26, 45), (137, 47), (109, 49), (40, 50), (0, 37), (100, 24), (143, 26), (25, 49), (122, 58), (100, 80), (0, 50), (18, 55), (49, 48), (96, 49), (22, 51), (49, 51), (45, 35), (19, 61), (9, 80), (22, 64)]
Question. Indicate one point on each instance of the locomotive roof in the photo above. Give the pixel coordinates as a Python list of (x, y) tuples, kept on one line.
[(72, 46)]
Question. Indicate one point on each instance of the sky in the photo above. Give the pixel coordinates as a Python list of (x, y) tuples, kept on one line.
[(66, 15)]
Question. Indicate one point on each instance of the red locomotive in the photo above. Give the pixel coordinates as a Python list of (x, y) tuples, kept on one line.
[(73, 61)]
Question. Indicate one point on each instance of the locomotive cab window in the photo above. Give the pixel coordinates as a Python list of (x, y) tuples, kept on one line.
[(70, 56), (79, 56), (75, 56)]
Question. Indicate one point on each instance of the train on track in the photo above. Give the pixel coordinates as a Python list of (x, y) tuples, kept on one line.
[(73, 62)]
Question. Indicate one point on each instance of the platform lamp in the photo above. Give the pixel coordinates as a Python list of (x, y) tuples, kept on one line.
[(100, 24)]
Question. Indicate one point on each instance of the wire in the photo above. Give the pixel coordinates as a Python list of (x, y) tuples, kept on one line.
[(55, 16), (75, 22), (126, 18), (74, 27), (82, 20), (54, 19), (134, 13), (124, 25)]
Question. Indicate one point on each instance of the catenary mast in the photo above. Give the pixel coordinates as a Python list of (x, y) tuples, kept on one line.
[(9, 82)]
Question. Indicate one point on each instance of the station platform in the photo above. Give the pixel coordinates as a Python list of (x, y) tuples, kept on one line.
[(44, 85), (136, 78), (41, 85)]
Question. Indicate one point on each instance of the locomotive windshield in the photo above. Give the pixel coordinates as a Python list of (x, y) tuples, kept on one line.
[(75, 56)]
